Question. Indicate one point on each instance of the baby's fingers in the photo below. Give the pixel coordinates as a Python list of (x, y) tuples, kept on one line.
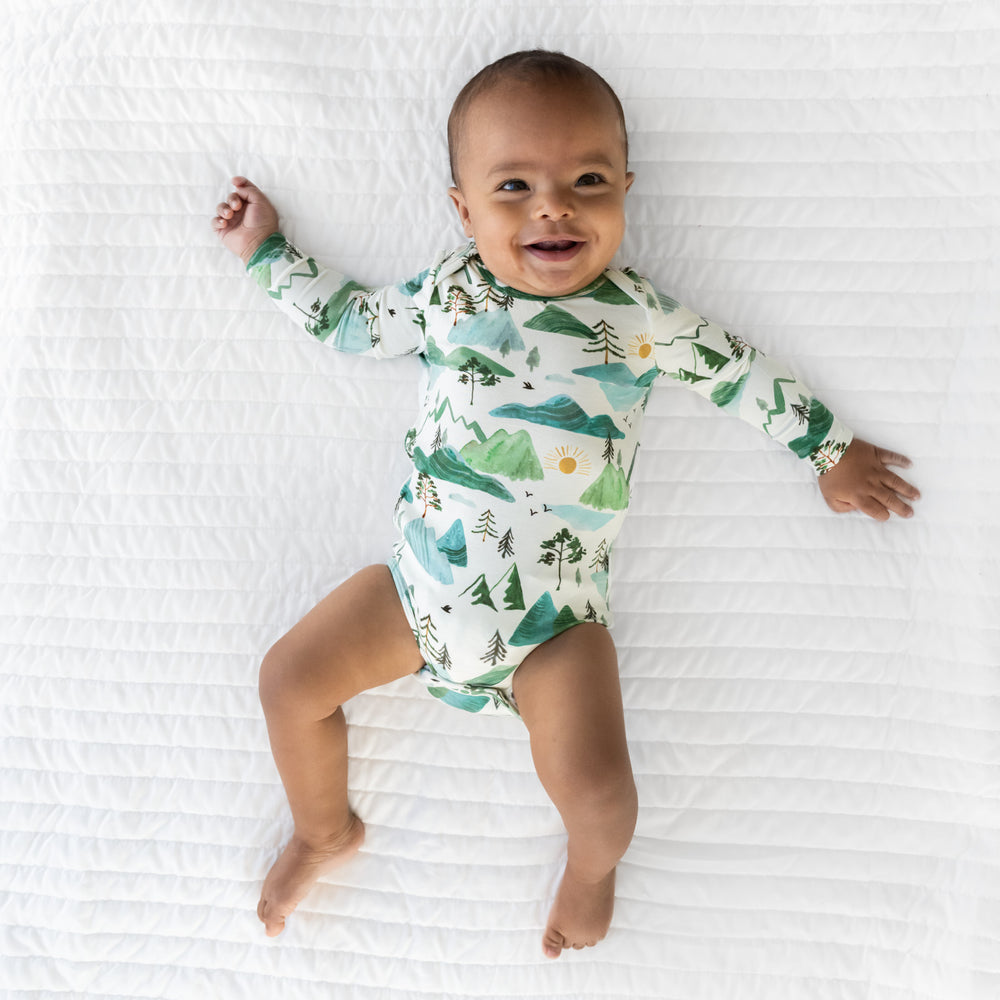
[(887, 497), (899, 485), (897, 506), (887, 457)]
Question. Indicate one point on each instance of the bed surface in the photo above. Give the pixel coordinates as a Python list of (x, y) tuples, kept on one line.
[(813, 701)]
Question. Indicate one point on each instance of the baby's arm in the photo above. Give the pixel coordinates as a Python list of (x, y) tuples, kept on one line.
[(380, 322), (245, 219), (853, 474), (861, 481)]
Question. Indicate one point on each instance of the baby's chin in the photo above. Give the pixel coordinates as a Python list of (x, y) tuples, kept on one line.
[(538, 276)]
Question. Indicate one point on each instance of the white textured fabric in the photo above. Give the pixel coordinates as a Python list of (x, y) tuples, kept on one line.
[(813, 701)]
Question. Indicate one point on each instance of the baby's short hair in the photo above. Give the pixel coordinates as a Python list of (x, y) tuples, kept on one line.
[(529, 66)]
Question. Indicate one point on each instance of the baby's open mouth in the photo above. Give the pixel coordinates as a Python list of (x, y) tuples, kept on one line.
[(554, 244), (554, 249)]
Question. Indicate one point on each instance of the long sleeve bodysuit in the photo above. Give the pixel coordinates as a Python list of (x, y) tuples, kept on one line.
[(526, 440)]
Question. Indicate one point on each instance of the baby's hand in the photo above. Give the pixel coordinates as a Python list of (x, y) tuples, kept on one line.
[(245, 219), (862, 481)]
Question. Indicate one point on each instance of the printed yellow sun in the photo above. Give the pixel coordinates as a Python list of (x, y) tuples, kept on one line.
[(568, 460), (641, 346)]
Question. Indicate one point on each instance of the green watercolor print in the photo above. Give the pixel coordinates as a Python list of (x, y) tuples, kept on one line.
[(617, 373), (437, 556), (423, 544), (553, 319), (610, 294), (447, 464), (683, 375), (667, 304), (480, 592), (492, 678), (445, 407), (543, 622), (495, 331), (462, 356), (713, 359), (513, 596), (503, 454), (581, 518), (727, 393), (414, 285), (820, 422), (466, 702), (609, 491), (564, 413)]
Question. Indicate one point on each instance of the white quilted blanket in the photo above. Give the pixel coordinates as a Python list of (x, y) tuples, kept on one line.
[(813, 701)]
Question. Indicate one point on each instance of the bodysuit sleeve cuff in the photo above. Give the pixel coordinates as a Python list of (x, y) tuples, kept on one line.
[(266, 252), (831, 450)]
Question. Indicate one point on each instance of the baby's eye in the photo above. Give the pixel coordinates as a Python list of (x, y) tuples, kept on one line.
[(513, 185), (591, 178)]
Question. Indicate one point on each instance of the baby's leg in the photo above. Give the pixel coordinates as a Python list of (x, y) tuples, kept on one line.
[(355, 639), (569, 697)]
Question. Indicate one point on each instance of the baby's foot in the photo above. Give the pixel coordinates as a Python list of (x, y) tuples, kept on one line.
[(581, 914), (297, 870)]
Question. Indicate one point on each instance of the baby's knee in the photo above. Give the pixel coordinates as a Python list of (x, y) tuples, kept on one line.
[(605, 813), (620, 797), (272, 678), (609, 792), (286, 680)]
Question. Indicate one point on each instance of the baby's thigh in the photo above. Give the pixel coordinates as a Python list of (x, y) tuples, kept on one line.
[(569, 696), (356, 638)]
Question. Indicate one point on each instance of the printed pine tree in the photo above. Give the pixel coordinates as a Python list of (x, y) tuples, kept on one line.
[(506, 544), (486, 525), (533, 360), (459, 302), (491, 294), (427, 491), (495, 651), (371, 316), (609, 449), (824, 459), (438, 443), (591, 614), (444, 659), (563, 547), (513, 596), (737, 345), (801, 411), (474, 370), (480, 592), (319, 318), (604, 340), (427, 634), (601, 560)]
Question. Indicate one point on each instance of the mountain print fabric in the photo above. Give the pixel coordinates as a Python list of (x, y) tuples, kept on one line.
[(526, 440)]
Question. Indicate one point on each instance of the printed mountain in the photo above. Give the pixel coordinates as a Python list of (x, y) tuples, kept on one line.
[(503, 454), (609, 491), (543, 622)]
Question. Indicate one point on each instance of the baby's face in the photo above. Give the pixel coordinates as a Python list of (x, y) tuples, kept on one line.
[(542, 183)]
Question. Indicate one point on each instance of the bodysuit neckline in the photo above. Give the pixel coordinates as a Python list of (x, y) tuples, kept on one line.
[(589, 289)]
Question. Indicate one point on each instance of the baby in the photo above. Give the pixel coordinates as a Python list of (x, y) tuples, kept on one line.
[(538, 358)]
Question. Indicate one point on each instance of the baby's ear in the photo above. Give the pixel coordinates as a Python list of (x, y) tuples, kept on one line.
[(462, 208), (629, 177)]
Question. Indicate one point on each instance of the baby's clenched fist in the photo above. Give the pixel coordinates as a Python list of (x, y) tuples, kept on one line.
[(245, 219)]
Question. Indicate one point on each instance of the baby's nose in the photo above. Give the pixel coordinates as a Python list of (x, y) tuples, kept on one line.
[(554, 204)]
